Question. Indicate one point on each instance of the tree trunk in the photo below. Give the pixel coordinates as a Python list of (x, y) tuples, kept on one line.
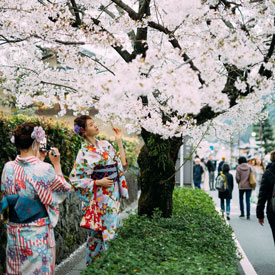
[(157, 161)]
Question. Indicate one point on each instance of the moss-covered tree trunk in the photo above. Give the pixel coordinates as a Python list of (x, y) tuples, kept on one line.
[(157, 161)]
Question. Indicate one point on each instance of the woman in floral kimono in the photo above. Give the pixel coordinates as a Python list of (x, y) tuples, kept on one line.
[(98, 177), (31, 191)]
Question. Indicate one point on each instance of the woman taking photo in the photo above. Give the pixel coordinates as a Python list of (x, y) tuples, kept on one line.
[(98, 178), (31, 190)]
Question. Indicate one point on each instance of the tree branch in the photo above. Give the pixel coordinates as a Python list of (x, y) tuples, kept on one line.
[(76, 13), (262, 70), (129, 10), (97, 61), (176, 44), (119, 49)]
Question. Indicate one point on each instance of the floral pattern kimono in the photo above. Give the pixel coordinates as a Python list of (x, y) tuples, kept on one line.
[(31, 246), (88, 158)]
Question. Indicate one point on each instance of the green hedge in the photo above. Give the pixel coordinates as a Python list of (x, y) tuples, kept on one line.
[(195, 240), (59, 135)]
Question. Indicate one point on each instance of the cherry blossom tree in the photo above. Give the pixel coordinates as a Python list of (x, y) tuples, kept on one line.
[(162, 69)]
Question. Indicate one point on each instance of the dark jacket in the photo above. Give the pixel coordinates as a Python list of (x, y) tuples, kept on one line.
[(265, 193), (228, 193), (211, 165), (220, 166), (197, 172)]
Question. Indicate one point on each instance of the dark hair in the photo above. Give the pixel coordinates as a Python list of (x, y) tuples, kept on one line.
[(272, 156), (225, 168), (242, 160), (22, 135), (81, 121)]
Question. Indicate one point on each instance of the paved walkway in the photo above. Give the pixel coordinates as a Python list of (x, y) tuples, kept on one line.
[(77, 261), (255, 240)]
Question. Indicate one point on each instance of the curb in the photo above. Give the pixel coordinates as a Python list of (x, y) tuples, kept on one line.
[(246, 265)]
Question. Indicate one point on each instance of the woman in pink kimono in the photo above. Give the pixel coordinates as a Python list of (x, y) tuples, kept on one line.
[(97, 176), (31, 191)]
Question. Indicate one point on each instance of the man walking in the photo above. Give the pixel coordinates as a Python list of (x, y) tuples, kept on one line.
[(211, 166), (197, 173)]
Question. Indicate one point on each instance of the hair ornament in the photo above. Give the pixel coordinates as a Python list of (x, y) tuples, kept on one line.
[(38, 134), (79, 130)]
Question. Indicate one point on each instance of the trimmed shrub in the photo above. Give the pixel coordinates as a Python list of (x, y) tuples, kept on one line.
[(59, 135), (195, 240)]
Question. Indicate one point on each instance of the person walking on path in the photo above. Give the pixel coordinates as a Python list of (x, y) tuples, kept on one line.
[(31, 191), (242, 177), (99, 181), (258, 171), (202, 163), (211, 166), (220, 165), (197, 173), (265, 195), (226, 195)]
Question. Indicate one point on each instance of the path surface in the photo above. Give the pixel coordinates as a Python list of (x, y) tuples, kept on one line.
[(255, 240), (77, 261)]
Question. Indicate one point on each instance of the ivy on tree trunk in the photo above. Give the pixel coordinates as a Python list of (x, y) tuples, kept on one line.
[(157, 160)]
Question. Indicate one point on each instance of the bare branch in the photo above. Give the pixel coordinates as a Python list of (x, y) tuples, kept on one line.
[(70, 42), (97, 61)]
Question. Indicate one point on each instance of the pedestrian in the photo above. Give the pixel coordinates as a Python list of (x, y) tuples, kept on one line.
[(197, 173), (220, 165), (204, 172), (258, 171), (211, 166), (226, 195), (31, 190), (265, 195), (98, 178), (242, 177)]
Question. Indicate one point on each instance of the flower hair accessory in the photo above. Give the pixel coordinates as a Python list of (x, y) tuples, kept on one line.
[(79, 130), (38, 134), (12, 139)]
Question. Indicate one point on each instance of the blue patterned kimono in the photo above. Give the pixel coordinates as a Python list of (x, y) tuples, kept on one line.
[(31, 245), (88, 159)]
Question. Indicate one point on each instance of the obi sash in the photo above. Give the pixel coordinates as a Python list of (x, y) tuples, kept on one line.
[(103, 171), (23, 209)]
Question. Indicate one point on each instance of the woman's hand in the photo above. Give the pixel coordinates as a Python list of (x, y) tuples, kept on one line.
[(105, 182), (55, 160), (118, 133)]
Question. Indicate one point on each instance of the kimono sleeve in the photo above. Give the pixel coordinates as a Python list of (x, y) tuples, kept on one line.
[(123, 189), (80, 176), (52, 189)]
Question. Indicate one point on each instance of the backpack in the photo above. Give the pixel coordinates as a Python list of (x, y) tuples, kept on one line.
[(221, 182)]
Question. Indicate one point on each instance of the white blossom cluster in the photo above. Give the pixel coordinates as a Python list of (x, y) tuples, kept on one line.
[(191, 45)]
